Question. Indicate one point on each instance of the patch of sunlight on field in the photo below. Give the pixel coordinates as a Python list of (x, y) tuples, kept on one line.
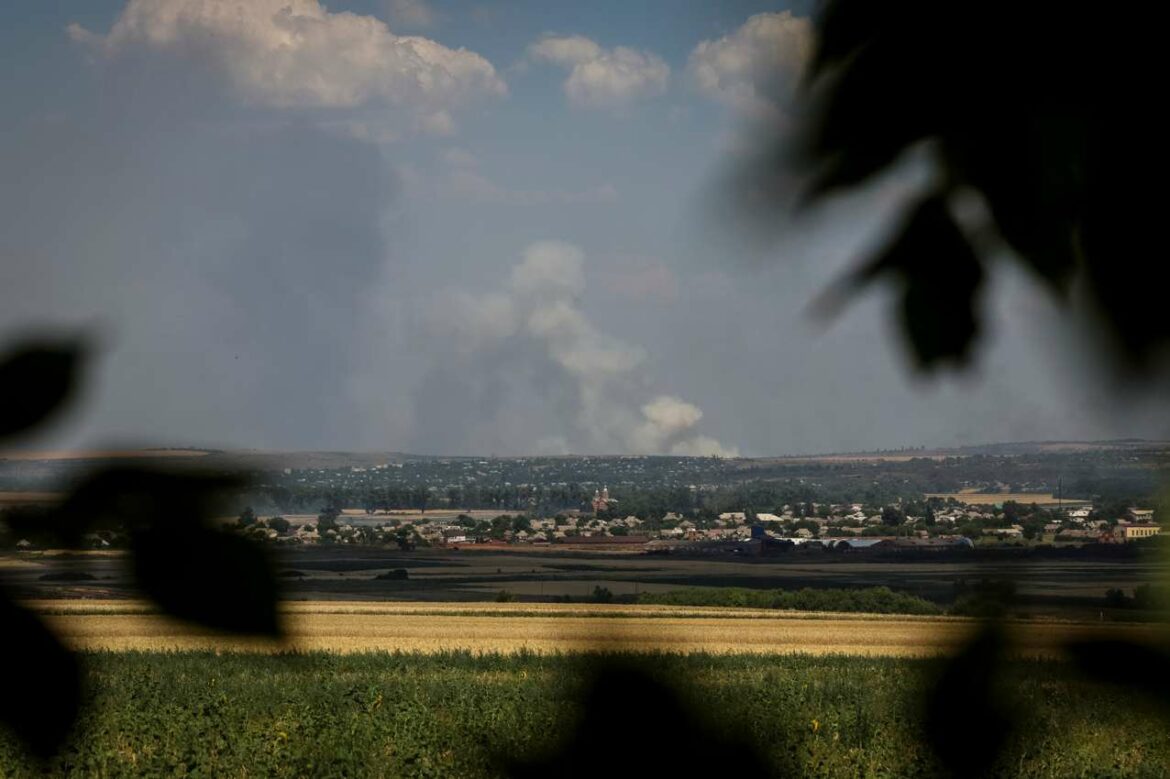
[(997, 498), (551, 628)]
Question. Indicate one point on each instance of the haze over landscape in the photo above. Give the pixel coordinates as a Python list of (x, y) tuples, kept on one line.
[(485, 229)]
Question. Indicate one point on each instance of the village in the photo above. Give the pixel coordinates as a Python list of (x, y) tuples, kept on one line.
[(933, 524)]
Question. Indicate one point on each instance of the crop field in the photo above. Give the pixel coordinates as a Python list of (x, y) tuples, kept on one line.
[(336, 626), (996, 498), (1071, 589), (461, 714)]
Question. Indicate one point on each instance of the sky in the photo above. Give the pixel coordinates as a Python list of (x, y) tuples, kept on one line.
[(494, 227)]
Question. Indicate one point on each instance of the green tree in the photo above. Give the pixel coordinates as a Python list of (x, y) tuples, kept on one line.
[(602, 594), (327, 519), (892, 516), (247, 517)]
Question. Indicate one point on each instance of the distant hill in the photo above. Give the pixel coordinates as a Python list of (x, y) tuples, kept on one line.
[(268, 460)]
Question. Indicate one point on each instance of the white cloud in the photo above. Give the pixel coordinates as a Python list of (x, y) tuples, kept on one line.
[(414, 14), (295, 53), (603, 78), (754, 68), (565, 50)]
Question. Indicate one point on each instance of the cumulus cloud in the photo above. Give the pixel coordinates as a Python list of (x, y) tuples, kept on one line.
[(602, 78), (565, 50), (295, 53), (754, 68), (539, 308)]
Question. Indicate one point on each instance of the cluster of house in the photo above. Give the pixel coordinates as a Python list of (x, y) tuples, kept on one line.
[(846, 527), (843, 523), (1080, 526)]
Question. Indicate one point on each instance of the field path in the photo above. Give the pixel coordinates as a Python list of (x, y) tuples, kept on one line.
[(366, 627)]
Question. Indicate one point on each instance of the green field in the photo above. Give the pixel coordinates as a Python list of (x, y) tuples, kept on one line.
[(200, 714)]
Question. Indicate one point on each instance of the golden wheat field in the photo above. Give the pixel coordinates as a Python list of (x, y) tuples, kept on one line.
[(998, 498), (544, 628)]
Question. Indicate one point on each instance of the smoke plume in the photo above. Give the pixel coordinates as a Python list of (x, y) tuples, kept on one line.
[(537, 312)]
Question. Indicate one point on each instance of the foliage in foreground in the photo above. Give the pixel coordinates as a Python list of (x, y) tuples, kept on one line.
[(869, 600), (457, 714)]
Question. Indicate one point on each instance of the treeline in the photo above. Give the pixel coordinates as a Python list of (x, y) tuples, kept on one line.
[(547, 500), (869, 600)]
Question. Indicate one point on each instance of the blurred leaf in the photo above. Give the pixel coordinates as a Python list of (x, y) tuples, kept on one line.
[(1032, 179), (42, 525), (215, 578), (38, 379), (859, 127), (940, 278), (192, 570), (845, 27), (1064, 150), (1123, 229), (122, 498), (1140, 668), (41, 693), (967, 718)]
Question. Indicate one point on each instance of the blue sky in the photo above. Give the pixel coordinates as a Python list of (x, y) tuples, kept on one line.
[(452, 227)]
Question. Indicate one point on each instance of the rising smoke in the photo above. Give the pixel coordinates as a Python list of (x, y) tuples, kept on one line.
[(537, 312)]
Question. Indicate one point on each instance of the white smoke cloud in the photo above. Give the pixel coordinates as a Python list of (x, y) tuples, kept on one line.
[(703, 446), (666, 417), (539, 306)]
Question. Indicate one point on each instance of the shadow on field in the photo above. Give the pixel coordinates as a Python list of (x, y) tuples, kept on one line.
[(633, 721)]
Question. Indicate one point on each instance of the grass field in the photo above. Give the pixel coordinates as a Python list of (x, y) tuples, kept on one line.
[(337, 626), (458, 714)]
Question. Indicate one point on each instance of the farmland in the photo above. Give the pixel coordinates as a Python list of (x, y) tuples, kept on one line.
[(973, 498), (1066, 588), (397, 659), (550, 628), (458, 713)]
